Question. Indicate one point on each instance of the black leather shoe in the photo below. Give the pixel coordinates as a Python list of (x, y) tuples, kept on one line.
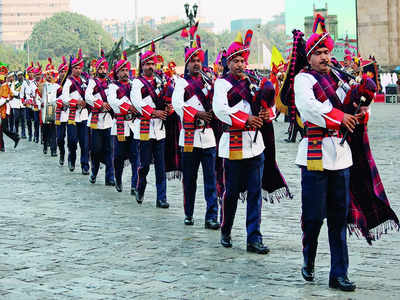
[(162, 204), (188, 221), (92, 179), (118, 187), (61, 161), (211, 224), (110, 183), (53, 153), (71, 166), (133, 192), (45, 151), (342, 283), (226, 241), (139, 198), (308, 272), (30, 139), (257, 247), (16, 142), (85, 172)]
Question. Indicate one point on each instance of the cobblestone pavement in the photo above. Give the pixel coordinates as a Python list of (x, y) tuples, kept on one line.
[(63, 238)]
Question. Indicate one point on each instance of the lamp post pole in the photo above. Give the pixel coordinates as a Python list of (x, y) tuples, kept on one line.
[(191, 14)]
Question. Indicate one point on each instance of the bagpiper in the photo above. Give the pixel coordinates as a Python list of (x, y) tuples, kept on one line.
[(125, 146), (62, 111), (240, 146), (100, 122), (73, 95), (149, 129), (191, 100)]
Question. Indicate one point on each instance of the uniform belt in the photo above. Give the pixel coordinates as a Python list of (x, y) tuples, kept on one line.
[(329, 133), (229, 129)]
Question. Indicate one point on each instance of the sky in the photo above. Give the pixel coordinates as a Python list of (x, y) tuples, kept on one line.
[(344, 9), (221, 12)]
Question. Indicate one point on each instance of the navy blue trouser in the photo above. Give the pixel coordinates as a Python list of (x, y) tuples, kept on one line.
[(61, 132), (49, 137), (149, 150), (326, 194), (126, 150), (101, 151), (243, 175), (29, 119), (78, 133), (36, 124), (11, 121), (190, 168), (4, 128), (19, 119)]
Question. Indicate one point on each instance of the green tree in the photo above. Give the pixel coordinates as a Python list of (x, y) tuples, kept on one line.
[(64, 33), (15, 59)]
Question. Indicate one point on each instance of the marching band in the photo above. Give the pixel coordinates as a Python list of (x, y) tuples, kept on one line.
[(221, 121)]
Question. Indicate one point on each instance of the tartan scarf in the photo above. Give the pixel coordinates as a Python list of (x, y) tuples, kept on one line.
[(58, 109), (75, 86), (274, 186), (124, 90), (240, 91), (324, 89), (149, 89), (100, 88), (370, 214), (172, 129), (194, 88), (35, 106)]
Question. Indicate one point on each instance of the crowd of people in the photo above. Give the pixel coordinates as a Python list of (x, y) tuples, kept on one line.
[(221, 121)]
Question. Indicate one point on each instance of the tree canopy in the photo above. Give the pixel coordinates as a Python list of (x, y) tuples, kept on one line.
[(64, 33), (15, 59)]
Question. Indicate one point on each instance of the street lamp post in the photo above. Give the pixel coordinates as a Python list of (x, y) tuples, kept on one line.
[(136, 33), (191, 14), (100, 37)]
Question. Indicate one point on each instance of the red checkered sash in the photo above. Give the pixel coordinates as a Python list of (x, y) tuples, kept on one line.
[(58, 107), (75, 86), (324, 89), (98, 89)]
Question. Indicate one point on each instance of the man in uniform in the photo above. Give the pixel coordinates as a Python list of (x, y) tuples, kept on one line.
[(37, 75), (147, 96), (100, 121), (325, 163), (125, 146), (62, 112), (73, 95), (49, 128), (17, 106), (240, 146), (192, 102), (27, 94), (5, 97)]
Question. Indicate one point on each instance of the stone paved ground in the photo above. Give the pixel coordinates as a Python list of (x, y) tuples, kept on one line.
[(62, 238)]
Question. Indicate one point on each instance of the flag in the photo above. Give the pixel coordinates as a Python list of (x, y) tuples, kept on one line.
[(276, 57)]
